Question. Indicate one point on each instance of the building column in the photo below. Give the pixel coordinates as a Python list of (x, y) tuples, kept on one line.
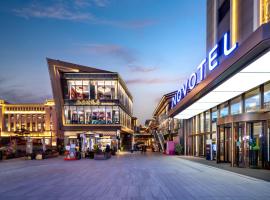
[(232, 145), (9, 123), (31, 122)]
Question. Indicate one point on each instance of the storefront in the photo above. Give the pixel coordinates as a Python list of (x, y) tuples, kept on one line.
[(228, 109), (93, 102)]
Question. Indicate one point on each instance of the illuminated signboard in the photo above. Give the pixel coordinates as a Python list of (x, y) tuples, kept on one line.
[(222, 48)]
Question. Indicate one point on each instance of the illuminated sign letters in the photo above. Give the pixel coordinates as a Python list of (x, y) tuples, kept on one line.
[(212, 60)]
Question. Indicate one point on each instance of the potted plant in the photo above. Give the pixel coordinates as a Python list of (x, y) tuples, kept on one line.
[(178, 149)]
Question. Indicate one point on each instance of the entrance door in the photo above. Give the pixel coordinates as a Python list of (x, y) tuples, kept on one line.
[(255, 133), (239, 144), (224, 143)]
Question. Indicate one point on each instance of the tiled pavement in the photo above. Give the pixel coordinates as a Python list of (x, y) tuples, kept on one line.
[(126, 176), (255, 173)]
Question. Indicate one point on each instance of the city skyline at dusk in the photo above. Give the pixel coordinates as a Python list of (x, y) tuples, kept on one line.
[(153, 45)]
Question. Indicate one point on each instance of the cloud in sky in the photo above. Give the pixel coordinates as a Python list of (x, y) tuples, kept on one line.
[(142, 69), (151, 81), (114, 50), (70, 11), (17, 93)]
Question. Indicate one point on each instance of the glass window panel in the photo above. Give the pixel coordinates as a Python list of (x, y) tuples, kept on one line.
[(93, 90), (214, 115), (115, 115), (81, 115), (224, 110), (267, 95), (101, 115), (95, 114), (74, 115), (85, 90), (79, 92), (100, 90), (109, 114), (88, 114), (201, 123), (207, 121), (236, 107), (108, 90), (252, 101)]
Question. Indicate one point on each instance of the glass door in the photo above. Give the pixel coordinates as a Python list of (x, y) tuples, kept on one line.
[(227, 144), (255, 133), (239, 145)]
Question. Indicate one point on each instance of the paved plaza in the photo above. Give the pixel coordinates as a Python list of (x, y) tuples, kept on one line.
[(126, 176)]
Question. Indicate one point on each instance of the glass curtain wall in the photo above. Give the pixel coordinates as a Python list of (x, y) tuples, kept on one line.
[(91, 89)]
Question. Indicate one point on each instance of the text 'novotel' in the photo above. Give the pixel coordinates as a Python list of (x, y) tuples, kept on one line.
[(212, 60)]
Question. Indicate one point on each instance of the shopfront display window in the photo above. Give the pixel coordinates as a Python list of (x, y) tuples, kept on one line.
[(91, 114), (252, 100)]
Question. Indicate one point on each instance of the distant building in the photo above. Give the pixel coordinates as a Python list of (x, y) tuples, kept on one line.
[(91, 101), (37, 120)]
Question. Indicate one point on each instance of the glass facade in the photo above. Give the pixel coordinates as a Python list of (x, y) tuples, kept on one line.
[(95, 101), (91, 89), (250, 143)]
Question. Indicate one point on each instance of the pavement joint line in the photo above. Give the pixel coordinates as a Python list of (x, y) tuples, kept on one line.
[(217, 168)]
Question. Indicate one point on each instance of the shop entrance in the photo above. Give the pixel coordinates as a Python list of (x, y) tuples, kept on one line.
[(224, 143), (239, 144), (255, 144)]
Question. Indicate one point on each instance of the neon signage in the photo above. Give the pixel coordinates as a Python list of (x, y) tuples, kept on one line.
[(222, 48)]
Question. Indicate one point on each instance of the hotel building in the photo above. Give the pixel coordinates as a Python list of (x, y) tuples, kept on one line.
[(22, 120), (91, 101), (225, 105)]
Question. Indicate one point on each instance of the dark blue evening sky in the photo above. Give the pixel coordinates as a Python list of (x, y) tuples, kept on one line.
[(153, 44)]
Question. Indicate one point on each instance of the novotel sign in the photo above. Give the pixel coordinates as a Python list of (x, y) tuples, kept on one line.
[(222, 48)]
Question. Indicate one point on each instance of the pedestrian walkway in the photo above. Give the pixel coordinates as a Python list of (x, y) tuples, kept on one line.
[(127, 176), (255, 173)]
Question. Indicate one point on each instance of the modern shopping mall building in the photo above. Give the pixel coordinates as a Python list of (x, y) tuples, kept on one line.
[(93, 102), (224, 106)]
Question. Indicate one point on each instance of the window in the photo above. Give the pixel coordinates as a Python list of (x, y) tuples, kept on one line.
[(252, 100), (115, 115), (267, 95), (93, 90), (214, 115), (201, 123), (207, 121), (100, 89), (109, 115), (224, 110), (236, 107)]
